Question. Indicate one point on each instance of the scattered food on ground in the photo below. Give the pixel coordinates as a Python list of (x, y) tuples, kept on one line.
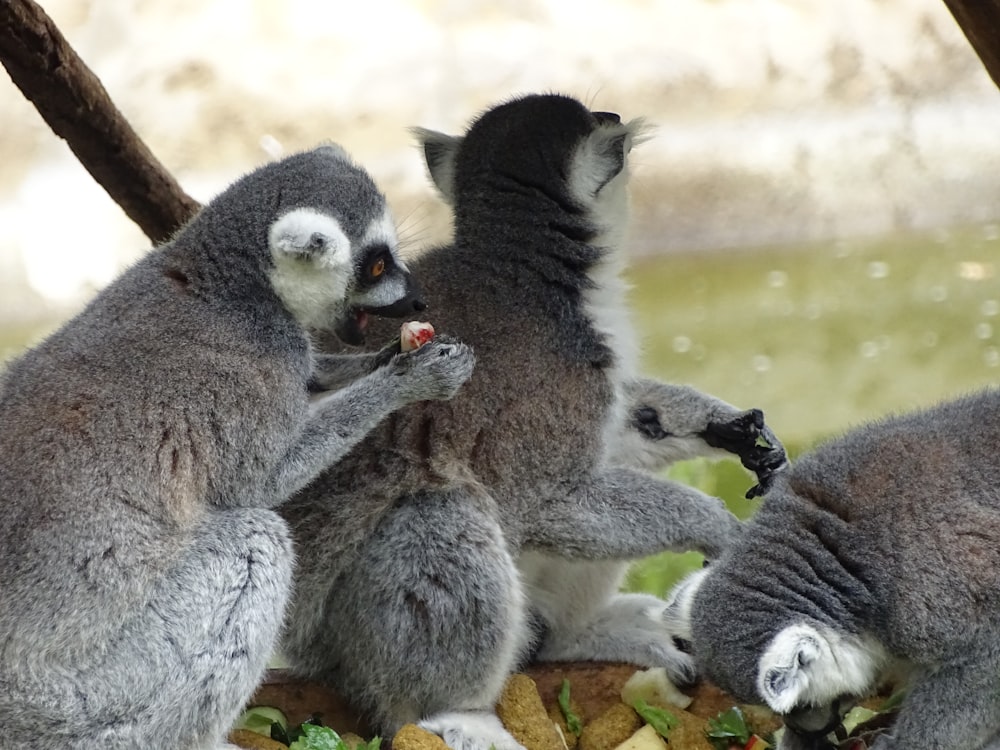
[(628, 710)]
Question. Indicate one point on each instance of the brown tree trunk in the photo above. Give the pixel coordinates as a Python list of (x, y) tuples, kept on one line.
[(980, 22), (71, 99)]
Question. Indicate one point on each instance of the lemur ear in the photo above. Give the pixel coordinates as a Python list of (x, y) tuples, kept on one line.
[(601, 157), (307, 234), (439, 153), (793, 660)]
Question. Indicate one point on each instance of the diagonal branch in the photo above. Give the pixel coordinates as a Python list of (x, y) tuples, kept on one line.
[(980, 22), (71, 99)]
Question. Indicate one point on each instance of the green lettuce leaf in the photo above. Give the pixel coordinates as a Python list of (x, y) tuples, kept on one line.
[(659, 719)]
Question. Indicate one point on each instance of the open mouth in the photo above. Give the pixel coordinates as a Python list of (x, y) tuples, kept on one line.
[(351, 329)]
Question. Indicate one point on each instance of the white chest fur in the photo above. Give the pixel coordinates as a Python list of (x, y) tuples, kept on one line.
[(606, 303)]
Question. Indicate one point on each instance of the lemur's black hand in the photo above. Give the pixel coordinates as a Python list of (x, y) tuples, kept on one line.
[(748, 437)]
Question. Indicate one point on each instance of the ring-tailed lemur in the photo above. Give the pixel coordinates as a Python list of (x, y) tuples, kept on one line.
[(879, 549), (415, 607), (144, 445)]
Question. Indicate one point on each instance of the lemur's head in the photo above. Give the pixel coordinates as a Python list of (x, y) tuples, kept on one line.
[(317, 229), (758, 650), (543, 146), (334, 249)]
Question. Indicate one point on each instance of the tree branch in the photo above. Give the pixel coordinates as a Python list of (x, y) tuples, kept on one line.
[(980, 22), (71, 99)]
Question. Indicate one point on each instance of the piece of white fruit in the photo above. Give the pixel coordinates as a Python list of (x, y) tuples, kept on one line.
[(654, 687), (413, 334), (646, 738)]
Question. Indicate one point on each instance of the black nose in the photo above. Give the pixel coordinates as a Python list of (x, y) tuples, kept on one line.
[(607, 118), (419, 305)]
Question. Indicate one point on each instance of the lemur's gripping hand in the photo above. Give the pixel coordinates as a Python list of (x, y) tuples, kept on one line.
[(435, 371), (758, 448)]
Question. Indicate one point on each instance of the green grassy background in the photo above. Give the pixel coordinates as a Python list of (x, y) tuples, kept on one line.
[(821, 337)]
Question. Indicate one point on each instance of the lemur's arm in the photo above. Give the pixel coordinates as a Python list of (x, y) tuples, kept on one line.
[(334, 371), (668, 423), (340, 419), (623, 514)]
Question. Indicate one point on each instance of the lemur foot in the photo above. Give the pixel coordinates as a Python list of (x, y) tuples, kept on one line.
[(471, 730), (759, 450), (435, 371)]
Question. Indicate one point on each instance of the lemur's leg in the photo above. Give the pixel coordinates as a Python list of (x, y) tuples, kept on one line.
[(207, 631), (428, 621), (587, 619), (619, 515)]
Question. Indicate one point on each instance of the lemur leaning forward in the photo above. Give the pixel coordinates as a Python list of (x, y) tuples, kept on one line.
[(878, 551)]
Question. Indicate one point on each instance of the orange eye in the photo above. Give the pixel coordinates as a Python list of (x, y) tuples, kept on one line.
[(378, 268)]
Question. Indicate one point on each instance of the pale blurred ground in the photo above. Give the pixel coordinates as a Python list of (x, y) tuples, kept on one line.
[(777, 121)]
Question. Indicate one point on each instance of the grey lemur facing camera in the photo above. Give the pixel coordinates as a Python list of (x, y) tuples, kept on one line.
[(878, 550), (421, 555), (145, 445)]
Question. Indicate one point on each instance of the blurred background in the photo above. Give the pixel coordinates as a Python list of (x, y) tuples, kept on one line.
[(816, 218)]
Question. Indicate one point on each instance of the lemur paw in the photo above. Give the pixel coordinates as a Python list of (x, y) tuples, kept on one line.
[(435, 371), (759, 450), (471, 730)]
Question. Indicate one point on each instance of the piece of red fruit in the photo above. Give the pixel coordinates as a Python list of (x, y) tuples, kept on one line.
[(414, 334)]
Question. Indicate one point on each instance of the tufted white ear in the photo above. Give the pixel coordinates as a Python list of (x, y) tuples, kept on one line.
[(789, 665), (439, 153), (312, 264), (806, 665), (598, 178), (601, 157), (307, 234)]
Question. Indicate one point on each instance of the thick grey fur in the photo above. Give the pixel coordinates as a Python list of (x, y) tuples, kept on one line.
[(418, 606), (143, 448), (889, 536)]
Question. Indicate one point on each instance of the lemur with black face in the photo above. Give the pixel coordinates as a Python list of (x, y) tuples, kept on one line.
[(878, 551), (145, 445), (419, 606)]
